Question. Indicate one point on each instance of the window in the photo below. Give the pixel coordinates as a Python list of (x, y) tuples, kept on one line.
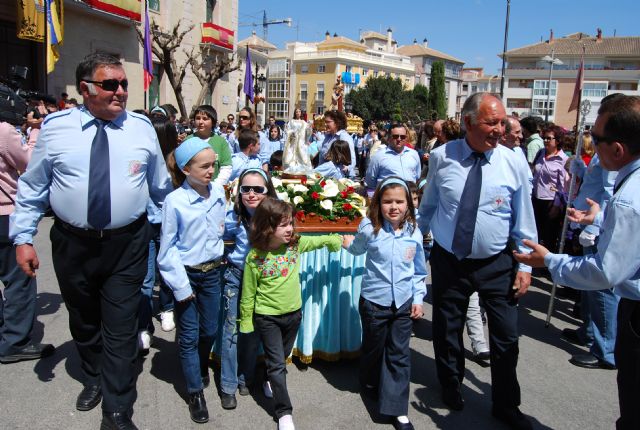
[(210, 5), (348, 68), (154, 5), (375, 73), (319, 109), (594, 89), (520, 83), (348, 88), (365, 72), (278, 89), (321, 68), (278, 108), (304, 68), (540, 88), (320, 92), (539, 107), (154, 88), (278, 68), (303, 92)]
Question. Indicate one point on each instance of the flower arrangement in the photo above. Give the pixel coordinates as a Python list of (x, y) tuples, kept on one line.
[(329, 199)]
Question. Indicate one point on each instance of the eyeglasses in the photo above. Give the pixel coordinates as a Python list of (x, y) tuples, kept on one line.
[(257, 189), (110, 84), (548, 138), (244, 117), (399, 136), (599, 139)]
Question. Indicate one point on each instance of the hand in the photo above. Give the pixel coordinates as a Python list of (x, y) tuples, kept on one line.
[(584, 217), (346, 240), (521, 284), (416, 312), (535, 258), (587, 239), (182, 137), (425, 157), (33, 122), (27, 259), (191, 297)]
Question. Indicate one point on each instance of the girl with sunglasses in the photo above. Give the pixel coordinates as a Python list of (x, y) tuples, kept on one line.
[(238, 350)]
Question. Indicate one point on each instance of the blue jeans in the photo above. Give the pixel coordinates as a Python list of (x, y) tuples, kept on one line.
[(238, 350), (165, 296), (197, 321)]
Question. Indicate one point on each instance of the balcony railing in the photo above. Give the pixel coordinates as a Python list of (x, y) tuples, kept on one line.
[(377, 60)]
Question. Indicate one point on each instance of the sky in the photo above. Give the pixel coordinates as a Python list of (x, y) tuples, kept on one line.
[(470, 30)]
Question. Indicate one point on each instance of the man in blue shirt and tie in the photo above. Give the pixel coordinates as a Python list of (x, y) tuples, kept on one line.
[(478, 208), (616, 263), (96, 166)]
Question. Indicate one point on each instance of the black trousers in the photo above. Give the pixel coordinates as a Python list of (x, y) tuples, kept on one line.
[(385, 363), (100, 282), (549, 229), (453, 281), (278, 332), (627, 354), (17, 301)]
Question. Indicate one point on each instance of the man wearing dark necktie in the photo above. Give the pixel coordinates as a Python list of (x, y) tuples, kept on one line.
[(96, 166), (478, 208)]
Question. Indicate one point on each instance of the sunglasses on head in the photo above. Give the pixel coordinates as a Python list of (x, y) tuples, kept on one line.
[(257, 189), (110, 84), (399, 136)]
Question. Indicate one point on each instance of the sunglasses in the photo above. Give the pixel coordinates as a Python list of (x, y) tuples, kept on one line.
[(110, 84), (257, 189), (548, 138), (244, 117), (399, 136), (599, 139)]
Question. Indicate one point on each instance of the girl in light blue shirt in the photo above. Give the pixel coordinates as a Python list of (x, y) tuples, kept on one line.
[(338, 160), (392, 293)]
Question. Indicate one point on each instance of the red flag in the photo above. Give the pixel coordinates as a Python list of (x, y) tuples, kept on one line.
[(577, 91)]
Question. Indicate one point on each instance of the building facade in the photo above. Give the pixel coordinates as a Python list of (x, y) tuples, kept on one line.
[(612, 65)]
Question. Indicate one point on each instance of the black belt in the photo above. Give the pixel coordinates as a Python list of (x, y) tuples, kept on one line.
[(88, 233), (206, 267)]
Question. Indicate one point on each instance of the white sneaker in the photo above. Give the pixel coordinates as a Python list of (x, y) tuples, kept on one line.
[(167, 321), (144, 341), (286, 423), (266, 387)]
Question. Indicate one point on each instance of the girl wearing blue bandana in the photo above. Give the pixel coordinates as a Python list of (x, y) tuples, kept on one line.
[(392, 293), (190, 259)]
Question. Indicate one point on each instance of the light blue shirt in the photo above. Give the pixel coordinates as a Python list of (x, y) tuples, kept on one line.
[(268, 147), (617, 263), (192, 229), (241, 162), (388, 162), (597, 184), (328, 141), (58, 173), (395, 267), (504, 212), (525, 165), (154, 213), (329, 169), (238, 233)]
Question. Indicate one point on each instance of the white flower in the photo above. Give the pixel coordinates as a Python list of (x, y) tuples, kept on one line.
[(326, 204), (347, 182), (283, 196), (330, 190), (290, 186), (299, 188), (276, 182), (297, 200)]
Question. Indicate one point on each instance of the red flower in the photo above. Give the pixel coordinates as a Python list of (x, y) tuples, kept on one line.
[(323, 183), (347, 207), (300, 215), (284, 272), (343, 194), (303, 180), (351, 190), (315, 196)]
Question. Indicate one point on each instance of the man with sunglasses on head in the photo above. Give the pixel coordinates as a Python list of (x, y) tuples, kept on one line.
[(616, 263), (396, 159), (96, 166)]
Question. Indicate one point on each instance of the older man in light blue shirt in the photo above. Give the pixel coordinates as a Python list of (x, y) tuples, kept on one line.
[(396, 160), (616, 135), (478, 207)]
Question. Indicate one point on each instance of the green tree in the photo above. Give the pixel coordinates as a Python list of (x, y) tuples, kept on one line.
[(378, 99), (437, 95), (414, 104)]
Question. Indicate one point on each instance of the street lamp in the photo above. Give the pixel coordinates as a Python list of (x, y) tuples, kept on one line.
[(551, 60)]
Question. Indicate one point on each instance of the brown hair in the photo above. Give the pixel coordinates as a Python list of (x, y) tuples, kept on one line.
[(340, 118), (252, 120), (339, 153), (238, 206), (268, 216), (177, 175), (375, 208), (451, 129)]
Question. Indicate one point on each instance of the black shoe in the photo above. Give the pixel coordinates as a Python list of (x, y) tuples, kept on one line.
[(228, 401), (452, 397), (243, 390), (89, 397), (590, 361), (370, 392), (512, 417), (482, 356), (198, 408), (206, 380), (32, 351), (401, 426), (117, 421), (571, 336)]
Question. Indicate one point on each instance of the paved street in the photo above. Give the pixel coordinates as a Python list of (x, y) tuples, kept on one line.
[(41, 395)]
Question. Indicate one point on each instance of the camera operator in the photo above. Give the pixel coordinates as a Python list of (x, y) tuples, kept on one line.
[(18, 307)]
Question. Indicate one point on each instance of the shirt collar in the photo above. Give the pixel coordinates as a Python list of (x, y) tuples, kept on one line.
[(467, 151), (86, 118), (626, 171), (193, 195), (386, 225), (393, 151)]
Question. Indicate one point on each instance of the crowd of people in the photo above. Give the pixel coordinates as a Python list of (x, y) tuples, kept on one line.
[(482, 199)]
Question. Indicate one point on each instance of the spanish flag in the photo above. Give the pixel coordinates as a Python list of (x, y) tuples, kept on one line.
[(55, 12), (30, 22)]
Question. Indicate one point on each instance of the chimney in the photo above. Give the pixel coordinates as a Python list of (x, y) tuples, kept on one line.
[(599, 36), (415, 41), (551, 36), (389, 39), (425, 42), (327, 35), (335, 34)]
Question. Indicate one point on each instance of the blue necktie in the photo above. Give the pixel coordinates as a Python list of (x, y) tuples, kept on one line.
[(468, 209), (99, 203)]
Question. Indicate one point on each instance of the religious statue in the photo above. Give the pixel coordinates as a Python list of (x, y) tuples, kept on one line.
[(337, 96), (295, 157)]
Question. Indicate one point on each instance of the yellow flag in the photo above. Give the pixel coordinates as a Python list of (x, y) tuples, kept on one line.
[(55, 25), (30, 22)]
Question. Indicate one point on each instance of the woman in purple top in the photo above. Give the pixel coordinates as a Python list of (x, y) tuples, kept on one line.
[(549, 178)]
